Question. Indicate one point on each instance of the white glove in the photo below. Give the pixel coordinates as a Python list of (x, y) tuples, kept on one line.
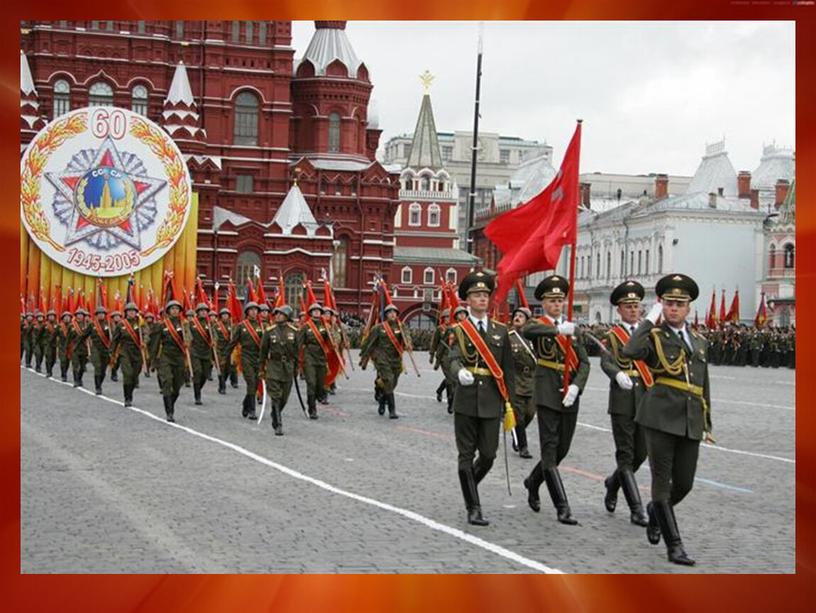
[(655, 312), (465, 377), (572, 395), (624, 381), (567, 328)]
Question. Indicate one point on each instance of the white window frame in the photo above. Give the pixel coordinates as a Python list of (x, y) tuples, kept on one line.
[(434, 209), (450, 275), (415, 207), (406, 278), (425, 273)]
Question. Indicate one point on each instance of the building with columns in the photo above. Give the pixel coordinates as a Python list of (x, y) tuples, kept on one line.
[(280, 150)]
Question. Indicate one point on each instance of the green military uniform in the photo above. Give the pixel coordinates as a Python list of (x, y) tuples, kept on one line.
[(38, 341), (387, 359), (524, 364), (27, 331), (315, 361), (62, 345), (674, 411), (99, 333), (222, 329), (556, 408), (336, 334), (440, 358), (478, 403), (248, 335), (78, 349), (201, 350), (128, 340), (50, 343), (169, 340), (629, 436), (116, 358), (278, 360)]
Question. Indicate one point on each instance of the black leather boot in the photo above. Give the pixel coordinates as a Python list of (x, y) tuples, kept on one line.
[(222, 384), (64, 374), (277, 420), (671, 535), (440, 389), (382, 401), (168, 408), (652, 527), (612, 483), (127, 389), (559, 496), (471, 496), (480, 469), (312, 406), (392, 409), (250, 407), (114, 376), (531, 484), (630, 491), (197, 394), (98, 385)]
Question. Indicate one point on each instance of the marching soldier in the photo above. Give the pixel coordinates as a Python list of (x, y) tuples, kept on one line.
[(336, 337), (99, 333), (50, 342), (628, 381), (248, 333), (28, 333), (201, 350), (62, 345), (482, 360), (279, 362), (439, 358), (263, 316), (169, 344), (38, 340), (675, 411), (149, 325), (116, 359), (524, 364), (385, 345), (558, 356), (222, 339), (78, 345), (128, 340), (313, 337)]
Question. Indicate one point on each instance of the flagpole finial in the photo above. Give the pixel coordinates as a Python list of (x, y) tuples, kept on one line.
[(580, 120)]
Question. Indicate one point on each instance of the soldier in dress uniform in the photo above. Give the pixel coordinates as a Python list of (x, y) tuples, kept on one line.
[(38, 340), (222, 338), (556, 350), (62, 345), (169, 344), (439, 357), (385, 346), (675, 411), (263, 316), (628, 381), (201, 349), (279, 362), (248, 334), (128, 341), (524, 363), (313, 337), (99, 333), (77, 345), (50, 342), (482, 360)]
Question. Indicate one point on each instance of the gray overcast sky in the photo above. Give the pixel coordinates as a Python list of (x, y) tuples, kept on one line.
[(651, 94)]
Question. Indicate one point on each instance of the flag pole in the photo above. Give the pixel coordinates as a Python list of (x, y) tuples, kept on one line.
[(474, 148)]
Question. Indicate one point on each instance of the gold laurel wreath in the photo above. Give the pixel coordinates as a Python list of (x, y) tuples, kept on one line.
[(176, 173), (38, 153)]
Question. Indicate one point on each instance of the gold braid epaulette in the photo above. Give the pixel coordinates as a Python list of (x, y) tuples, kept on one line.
[(676, 367), (614, 347), (460, 337)]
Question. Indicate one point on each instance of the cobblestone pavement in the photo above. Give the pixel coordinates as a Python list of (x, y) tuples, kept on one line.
[(108, 489)]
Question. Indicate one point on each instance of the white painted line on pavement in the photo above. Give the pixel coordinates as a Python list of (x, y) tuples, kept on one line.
[(761, 405), (421, 519)]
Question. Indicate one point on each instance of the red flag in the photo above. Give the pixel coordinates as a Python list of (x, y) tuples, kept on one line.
[(233, 304), (722, 316), (70, 301), (260, 292), (43, 307), (734, 311), (280, 299), (530, 237), (22, 305), (762, 313), (711, 315)]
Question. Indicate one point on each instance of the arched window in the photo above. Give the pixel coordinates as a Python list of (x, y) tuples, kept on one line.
[(246, 119), (425, 182), (62, 97), (428, 276), (789, 255), (660, 258), (772, 257), (433, 215), (100, 94), (248, 264), (406, 275), (415, 214), (334, 132), (293, 284), (338, 263), (450, 275), (138, 100)]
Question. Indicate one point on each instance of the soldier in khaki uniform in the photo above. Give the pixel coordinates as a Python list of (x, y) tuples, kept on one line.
[(77, 345), (116, 358), (128, 341), (479, 402), (440, 358), (524, 362), (38, 341), (169, 344), (248, 334), (62, 345), (312, 337), (385, 345), (50, 342), (99, 333), (556, 407), (675, 411), (626, 389), (201, 350), (279, 362)]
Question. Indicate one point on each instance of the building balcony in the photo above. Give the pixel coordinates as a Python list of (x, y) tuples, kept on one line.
[(424, 194), (782, 273)]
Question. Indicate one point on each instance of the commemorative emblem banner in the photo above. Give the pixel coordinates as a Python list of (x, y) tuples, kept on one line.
[(104, 191)]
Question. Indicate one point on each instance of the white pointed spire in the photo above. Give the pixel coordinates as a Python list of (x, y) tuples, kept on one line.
[(26, 80), (180, 87), (294, 210)]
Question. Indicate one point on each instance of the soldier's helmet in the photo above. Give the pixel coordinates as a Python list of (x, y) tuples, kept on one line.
[(315, 306), (523, 310), (627, 292), (460, 309), (131, 306), (390, 307), (554, 286), (81, 311), (172, 303), (201, 306), (250, 305), (51, 312), (478, 281), (328, 311), (445, 313), (263, 307), (677, 286), (101, 309), (284, 310), (66, 314), (224, 311)]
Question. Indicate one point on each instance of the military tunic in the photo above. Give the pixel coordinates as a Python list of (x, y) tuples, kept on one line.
[(248, 335), (279, 361), (78, 349), (99, 333), (167, 356), (315, 362), (61, 341), (38, 340), (386, 357), (524, 365), (130, 350), (201, 352)]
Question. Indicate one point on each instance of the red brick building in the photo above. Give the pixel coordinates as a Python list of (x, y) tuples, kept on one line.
[(252, 123)]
